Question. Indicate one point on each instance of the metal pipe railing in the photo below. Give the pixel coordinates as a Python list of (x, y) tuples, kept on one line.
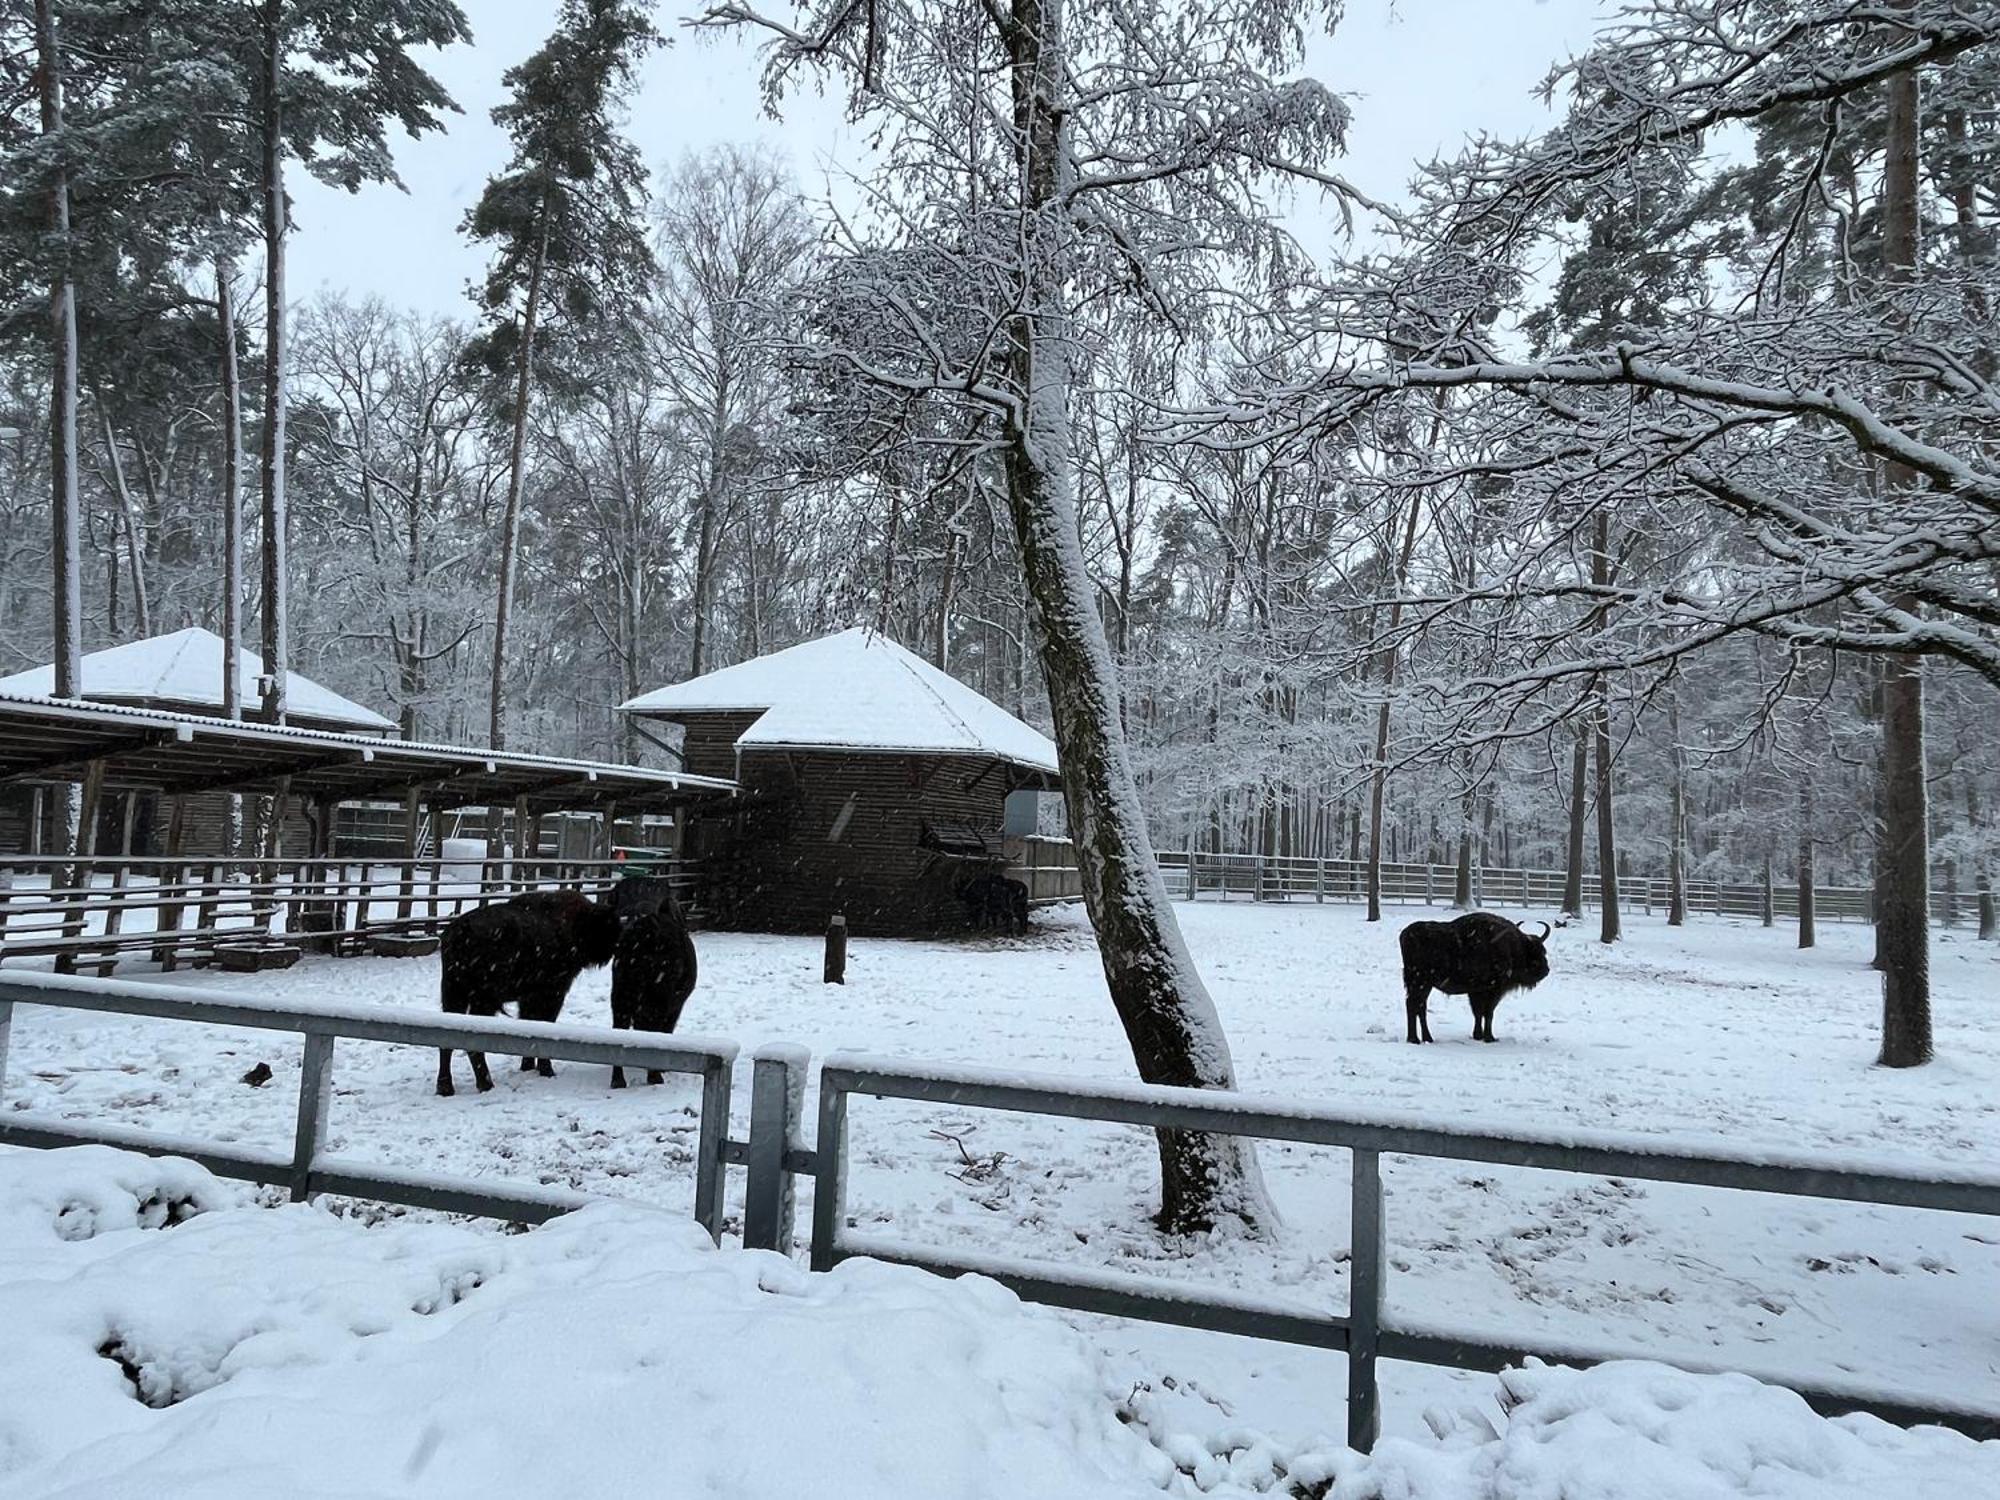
[(306, 1171), (1364, 1332)]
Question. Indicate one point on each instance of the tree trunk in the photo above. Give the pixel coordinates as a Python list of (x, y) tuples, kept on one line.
[(1807, 894), (232, 491), (66, 521), (510, 526), (1168, 1017), (135, 566), (1579, 774), (1607, 840), (1903, 920), (1677, 822), (704, 547), (272, 465), (1461, 877), (1379, 773)]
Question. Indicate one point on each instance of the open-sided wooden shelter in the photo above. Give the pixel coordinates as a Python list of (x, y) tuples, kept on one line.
[(177, 673), (871, 785)]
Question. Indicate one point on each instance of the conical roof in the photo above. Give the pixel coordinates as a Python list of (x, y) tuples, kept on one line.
[(184, 671), (857, 690)]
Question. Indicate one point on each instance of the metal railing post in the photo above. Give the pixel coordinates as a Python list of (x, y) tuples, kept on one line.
[(6, 1032), (777, 1100), (830, 1171), (712, 1133), (315, 1094), (1364, 1303)]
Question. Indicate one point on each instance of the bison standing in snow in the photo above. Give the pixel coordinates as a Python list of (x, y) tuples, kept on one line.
[(653, 972), (995, 901), (526, 953), (1480, 956)]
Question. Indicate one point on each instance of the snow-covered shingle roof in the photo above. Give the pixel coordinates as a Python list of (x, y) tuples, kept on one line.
[(857, 690), (185, 668)]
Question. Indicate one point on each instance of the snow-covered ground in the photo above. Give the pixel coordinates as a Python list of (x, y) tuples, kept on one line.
[(163, 1340), (1715, 1029)]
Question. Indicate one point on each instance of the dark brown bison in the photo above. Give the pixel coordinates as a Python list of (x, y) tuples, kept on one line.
[(996, 902), (653, 971), (1480, 956), (526, 953)]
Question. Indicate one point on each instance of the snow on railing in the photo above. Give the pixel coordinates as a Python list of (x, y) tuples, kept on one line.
[(308, 1170)]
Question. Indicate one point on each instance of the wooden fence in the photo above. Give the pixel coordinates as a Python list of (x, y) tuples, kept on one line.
[(90, 914), (1195, 875), (1047, 867)]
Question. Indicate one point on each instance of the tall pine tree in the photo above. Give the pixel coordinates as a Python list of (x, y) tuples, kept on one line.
[(570, 254)]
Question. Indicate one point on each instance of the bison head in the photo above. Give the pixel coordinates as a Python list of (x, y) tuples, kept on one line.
[(1534, 967), (596, 933)]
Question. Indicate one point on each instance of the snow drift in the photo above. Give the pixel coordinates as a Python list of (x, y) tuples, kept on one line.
[(165, 1337)]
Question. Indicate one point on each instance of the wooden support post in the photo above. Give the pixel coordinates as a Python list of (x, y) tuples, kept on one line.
[(173, 877), (1986, 921), (206, 912), (432, 906), (524, 847), (835, 971), (77, 876), (413, 807)]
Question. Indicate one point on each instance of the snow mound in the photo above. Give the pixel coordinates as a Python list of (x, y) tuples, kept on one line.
[(614, 1350), (56, 1197), (1634, 1430)]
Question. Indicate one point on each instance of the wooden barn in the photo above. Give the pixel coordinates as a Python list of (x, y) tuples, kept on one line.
[(871, 785), (180, 673)]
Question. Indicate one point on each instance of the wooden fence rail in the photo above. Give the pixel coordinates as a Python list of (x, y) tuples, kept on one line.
[(91, 913), (1195, 875)]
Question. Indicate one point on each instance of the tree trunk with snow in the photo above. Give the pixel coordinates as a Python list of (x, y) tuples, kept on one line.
[(1607, 836), (67, 542), (510, 526), (1579, 774), (232, 489), (1677, 821), (272, 464), (1167, 1014), (1903, 917), (1379, 772), (1807, 933)]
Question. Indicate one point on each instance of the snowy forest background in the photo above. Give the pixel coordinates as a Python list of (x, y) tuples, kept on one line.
[(744, 429)]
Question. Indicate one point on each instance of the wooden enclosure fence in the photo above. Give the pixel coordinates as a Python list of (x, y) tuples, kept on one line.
[(90, 914), (1195, 875)]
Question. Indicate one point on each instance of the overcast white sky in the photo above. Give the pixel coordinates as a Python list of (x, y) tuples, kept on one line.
[(1421, 75)]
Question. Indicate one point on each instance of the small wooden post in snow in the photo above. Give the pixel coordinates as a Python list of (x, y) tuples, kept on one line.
[(836, 951)]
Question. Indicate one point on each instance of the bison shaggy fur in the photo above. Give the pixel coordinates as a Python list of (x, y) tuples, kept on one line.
[(1480, 956), (995, 901), (526, 953), (654, 969)]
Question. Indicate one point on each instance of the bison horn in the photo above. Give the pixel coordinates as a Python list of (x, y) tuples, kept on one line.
[(1546, 930)]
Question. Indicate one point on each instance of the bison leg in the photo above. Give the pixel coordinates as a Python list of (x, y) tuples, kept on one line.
[(445, 1087), (1416, 1010), (1482, 1016)]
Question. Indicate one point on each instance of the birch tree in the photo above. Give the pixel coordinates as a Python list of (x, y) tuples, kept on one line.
[(1073, 163)]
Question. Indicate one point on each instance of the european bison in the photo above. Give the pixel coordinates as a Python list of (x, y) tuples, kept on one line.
[(1480, 956), (653, 972), (995, 901), (526, 953)]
